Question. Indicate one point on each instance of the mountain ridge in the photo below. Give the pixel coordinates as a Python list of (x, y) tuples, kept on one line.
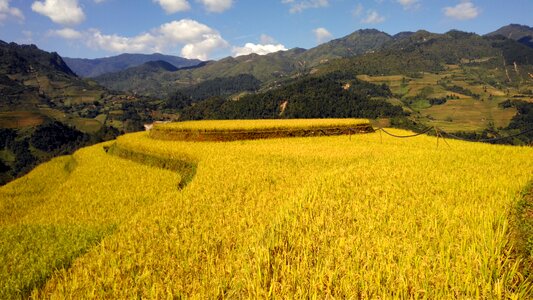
[(521, 33), (98, 66)]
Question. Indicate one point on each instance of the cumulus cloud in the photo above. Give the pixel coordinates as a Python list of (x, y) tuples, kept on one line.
[(195, 39), (66, 12), (409, 4), (66, 33), (299, 6), (322, 35), (173, 6), (373, 17), (7, 11), (216, 6), (465, 10), (260, 49)]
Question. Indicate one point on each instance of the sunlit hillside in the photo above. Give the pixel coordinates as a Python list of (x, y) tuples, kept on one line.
[(352, 216)]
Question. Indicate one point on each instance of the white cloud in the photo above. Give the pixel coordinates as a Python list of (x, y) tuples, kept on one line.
[(465, 10), (66, 33), (66, 12), (196, 40), (184, 30), (216, 6), (299, 6), (200, 50), (115, 43), (7, 11), (409, 4), (173, 6), (373, 17), (322, 35), (250, 48), (99, 1)]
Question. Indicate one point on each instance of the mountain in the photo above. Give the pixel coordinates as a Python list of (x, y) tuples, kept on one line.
[(266, 68), (99, 66), (160, 65), (357, 43), (282, 64), (46, 110), (141, 79), (403, 34), (334, 95), (160, 83), (28, 59), (430, 52), (520, 33), (45, 75), (458, 81)]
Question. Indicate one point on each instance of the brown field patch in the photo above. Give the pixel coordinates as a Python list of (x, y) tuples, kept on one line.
[(20, 119)]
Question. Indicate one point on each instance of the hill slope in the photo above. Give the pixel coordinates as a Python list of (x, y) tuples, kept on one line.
[(455, 80), (520, 33), (139, 79), (266, 68), (46, 110), (357, 43)]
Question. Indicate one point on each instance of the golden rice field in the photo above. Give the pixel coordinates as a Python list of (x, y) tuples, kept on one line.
[(254, 125), (366, 216)]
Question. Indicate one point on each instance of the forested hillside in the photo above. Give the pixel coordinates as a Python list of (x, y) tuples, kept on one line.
[(336, 95)]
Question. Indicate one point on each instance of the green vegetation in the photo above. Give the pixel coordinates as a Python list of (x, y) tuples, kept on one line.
[(335, 95), (521, 33), (137, 76), (48, 111), (218, 86), (523, 228), (53, 136), (357, 43)]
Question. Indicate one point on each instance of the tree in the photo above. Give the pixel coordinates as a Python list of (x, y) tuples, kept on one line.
[(55, 135)]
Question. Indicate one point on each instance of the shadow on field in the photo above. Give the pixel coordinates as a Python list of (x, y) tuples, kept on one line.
[(522, 231), (186, 168)]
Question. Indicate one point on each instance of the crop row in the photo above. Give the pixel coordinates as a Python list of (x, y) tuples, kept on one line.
[(232, 130)]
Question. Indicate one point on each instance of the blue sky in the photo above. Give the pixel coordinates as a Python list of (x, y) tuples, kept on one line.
[(212, 29)]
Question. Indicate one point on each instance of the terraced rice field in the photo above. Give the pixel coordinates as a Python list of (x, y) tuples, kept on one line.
[(366, 216)]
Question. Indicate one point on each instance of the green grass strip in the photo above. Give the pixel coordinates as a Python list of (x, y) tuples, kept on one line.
[(32, 253), (523, 229)]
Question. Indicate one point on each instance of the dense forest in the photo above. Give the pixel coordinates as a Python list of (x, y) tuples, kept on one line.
[(215, 87), (21, 151), (335, 95)]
